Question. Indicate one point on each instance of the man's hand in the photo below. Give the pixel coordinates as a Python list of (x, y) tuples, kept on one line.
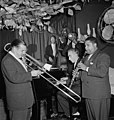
[(82, 66), (68, 42), (36, 73), (50, 59), (75, 72)]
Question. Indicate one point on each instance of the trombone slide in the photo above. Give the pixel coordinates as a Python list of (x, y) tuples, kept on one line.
[(40, 65)]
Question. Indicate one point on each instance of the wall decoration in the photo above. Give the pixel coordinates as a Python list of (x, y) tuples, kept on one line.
[(106, 24), (32, 15)]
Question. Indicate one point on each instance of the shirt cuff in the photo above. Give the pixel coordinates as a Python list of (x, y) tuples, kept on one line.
[(87, 69)]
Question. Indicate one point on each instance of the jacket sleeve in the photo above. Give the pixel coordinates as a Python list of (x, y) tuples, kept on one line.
[(48, 53), (100, 67), (15, 73)]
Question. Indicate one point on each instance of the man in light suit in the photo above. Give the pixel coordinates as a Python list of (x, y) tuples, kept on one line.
[(95, 81), (19, 92)]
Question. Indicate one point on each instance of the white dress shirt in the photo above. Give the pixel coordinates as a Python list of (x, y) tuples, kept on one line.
[(89, 56), (88, 59), (54, 49)]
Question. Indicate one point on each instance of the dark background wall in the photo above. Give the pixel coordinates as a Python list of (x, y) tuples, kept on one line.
[(91, 13)]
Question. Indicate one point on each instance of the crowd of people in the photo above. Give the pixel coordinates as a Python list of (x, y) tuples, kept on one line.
[(90, 72)]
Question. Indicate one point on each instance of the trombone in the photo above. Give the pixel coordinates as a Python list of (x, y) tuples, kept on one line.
[(76, 98)]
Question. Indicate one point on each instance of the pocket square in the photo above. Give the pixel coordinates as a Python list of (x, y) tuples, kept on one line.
[(91, 63)]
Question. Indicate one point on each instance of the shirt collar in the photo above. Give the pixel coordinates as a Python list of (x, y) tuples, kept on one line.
[(11, 53), (20, 61)]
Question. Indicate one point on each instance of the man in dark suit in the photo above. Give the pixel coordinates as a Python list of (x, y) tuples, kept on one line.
[(95, 81), (75, 85), (73, 43), (19, 93)]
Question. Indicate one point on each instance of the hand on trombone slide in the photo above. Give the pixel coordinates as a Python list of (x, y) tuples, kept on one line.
[(37, 73), (63, 80)]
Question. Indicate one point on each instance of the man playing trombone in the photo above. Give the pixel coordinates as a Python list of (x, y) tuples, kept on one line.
[(19, 92)]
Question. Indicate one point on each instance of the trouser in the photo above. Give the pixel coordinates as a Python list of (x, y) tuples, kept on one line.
[(20, 114), (63, 105), (63, 101), (98, 109)]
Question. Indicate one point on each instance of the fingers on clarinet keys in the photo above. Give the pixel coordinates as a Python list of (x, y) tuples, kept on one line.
[(36, 73), (81, 66), (75, 72)]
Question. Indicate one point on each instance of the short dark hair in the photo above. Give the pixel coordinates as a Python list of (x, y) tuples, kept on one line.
[(53, 36), (92, 39), (17, 42)]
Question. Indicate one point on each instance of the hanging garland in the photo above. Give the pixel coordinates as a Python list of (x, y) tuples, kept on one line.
[(31, 14)]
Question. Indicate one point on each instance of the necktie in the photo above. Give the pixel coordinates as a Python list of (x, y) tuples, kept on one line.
[(89, 56)]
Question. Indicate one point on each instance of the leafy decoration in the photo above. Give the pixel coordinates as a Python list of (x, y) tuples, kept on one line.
[(31, 14)]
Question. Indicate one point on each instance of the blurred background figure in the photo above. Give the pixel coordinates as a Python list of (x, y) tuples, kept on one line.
[(51, 52)]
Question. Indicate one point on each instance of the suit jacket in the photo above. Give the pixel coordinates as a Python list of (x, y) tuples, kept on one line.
[(19, 93), (95, 82)]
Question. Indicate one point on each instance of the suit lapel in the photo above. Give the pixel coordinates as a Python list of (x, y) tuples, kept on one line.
[(92, 58), (77, 63), (86, 61), (19, 64), (94, 55)]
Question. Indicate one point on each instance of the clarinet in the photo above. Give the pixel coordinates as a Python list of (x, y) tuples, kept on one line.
[(73, 78), (77, 72)]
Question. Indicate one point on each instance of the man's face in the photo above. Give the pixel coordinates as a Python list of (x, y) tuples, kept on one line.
[(72, 37), (72, 56), (90, 47), (53, 40), (20, 51)]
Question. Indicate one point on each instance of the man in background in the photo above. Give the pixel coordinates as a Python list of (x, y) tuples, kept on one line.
[(51, 52)]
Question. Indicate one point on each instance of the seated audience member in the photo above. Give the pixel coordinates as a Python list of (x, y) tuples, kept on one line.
[(51, 52), (63, 100)]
